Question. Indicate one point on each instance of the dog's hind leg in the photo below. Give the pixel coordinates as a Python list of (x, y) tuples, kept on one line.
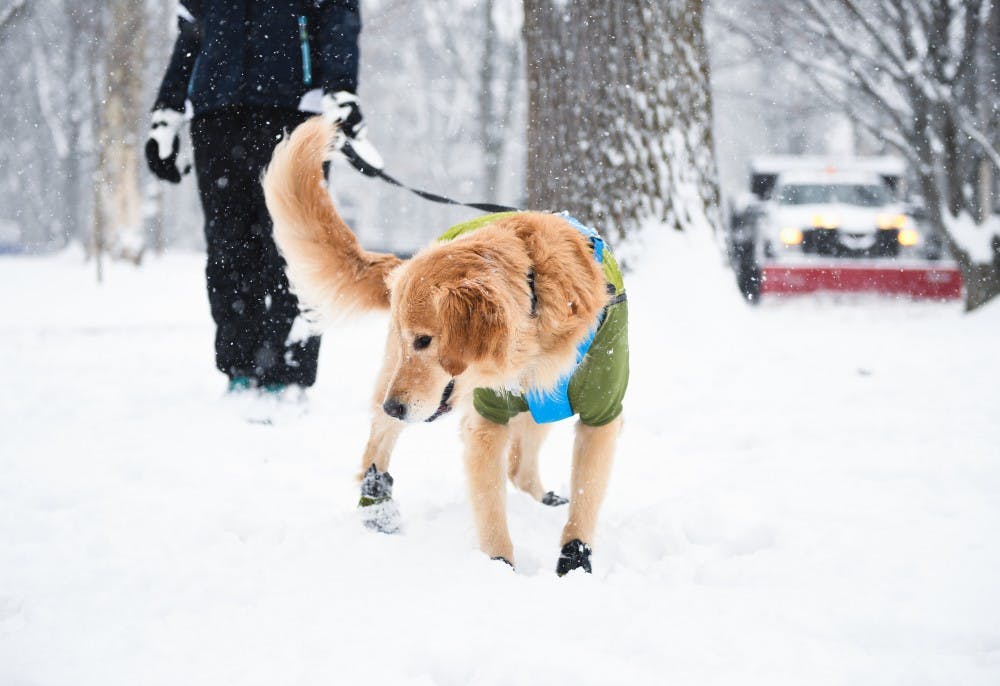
[(522, 460), (593, 453), (484, 447)]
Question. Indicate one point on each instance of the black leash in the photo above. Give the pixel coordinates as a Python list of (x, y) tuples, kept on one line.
[(362, 166), (434, 197), (358, 163)]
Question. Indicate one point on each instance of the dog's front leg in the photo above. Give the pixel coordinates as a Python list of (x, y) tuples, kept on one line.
[(593, 453), (378, 510), (484, 447), (384, 430), (381, 440)]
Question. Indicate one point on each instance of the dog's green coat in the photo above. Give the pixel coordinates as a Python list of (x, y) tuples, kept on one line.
[(598, 385)]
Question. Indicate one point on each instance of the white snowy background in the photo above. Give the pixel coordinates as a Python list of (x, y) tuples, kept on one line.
[(805, 493)]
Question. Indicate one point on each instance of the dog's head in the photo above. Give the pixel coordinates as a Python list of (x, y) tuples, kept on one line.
[(455, 317)]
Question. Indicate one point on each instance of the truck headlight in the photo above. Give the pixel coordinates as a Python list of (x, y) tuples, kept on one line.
[(791, 236), (825, 221), (908, 237), (891, 221)]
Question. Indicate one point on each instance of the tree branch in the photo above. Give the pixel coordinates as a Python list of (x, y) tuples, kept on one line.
[(984, 142), (7, 12), (970, 42), (856, 76), (877, 35)]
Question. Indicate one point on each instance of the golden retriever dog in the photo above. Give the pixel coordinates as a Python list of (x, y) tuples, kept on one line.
[(500, 309)]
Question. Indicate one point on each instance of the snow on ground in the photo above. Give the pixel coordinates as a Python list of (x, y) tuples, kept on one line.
[(806, 492)]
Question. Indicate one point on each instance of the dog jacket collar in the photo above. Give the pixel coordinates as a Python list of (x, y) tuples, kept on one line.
[(554, 405)]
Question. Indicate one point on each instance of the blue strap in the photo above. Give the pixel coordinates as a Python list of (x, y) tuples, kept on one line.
[(551, 406), (304, 45), (595, 238)]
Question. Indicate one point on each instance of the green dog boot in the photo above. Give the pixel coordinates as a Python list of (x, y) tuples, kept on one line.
[(377, 508)]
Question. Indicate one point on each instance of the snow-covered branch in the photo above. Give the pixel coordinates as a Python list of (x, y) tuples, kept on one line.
[(8, 9), (984, 142), (44, 89)]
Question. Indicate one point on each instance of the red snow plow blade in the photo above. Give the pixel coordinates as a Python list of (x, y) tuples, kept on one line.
[(937, 283)]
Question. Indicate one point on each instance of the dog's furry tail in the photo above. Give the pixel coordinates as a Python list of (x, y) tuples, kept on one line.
[(327, 268)]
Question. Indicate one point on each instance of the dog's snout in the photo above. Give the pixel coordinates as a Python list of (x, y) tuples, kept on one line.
[(394, 408)]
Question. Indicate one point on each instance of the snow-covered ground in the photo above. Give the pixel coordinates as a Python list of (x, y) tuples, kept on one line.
[(806, 493)]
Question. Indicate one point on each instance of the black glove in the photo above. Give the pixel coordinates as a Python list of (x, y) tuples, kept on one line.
[(164, 144), (342, 108)]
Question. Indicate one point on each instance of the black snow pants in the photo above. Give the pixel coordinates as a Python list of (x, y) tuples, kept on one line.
[(248, 291)]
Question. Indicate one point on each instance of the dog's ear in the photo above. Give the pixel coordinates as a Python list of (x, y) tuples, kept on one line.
[(393, 276), (473, 327)]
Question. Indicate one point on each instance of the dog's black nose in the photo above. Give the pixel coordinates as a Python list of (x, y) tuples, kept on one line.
[(394, 408)]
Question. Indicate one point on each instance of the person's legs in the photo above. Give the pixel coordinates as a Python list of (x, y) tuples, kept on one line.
[(286, 354), (233, 253)]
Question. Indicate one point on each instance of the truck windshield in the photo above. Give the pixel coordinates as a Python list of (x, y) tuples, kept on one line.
[(863, 195)]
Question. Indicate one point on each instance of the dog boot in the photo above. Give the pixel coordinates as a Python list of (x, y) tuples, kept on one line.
[(553, 500), (377, 508), (501, 558), (574, 555)]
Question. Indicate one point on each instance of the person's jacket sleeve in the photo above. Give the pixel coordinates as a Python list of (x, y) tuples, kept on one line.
[(174, 87), (336, 25)]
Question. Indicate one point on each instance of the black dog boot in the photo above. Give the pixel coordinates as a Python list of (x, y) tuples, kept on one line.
[(553, 500), (501, 558), (378, 510), (574, 555)]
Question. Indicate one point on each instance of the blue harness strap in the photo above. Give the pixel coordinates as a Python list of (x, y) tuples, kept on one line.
[(554, 405)]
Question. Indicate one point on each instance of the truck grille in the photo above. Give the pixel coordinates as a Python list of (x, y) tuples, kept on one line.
[(828, 242)]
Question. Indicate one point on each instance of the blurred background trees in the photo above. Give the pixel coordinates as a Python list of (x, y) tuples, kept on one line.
[(620, 104)]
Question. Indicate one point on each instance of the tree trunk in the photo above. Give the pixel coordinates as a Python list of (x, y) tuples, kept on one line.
[(619, 113), (981, 280), (499, 68), (118, 195), (488, 133)]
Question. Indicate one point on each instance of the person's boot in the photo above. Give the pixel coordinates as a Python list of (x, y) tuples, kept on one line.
[(239, 384), (277, 403)]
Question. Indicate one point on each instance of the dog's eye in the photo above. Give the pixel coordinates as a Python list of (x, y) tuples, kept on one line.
[(421, 342)]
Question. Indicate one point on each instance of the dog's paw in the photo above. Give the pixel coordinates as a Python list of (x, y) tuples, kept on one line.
[(574, 555), (381, 516), (378, 510), (553, 500), (503, 559)]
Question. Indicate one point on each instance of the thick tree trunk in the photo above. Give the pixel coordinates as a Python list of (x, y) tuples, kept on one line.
[(619, 113), (981, 279)]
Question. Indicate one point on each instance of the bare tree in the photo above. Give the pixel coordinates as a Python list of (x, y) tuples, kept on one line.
[(619, 113), (919, 74), (485, 60), (423, 79)]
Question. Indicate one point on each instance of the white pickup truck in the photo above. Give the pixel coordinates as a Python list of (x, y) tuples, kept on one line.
[(821, 225)]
